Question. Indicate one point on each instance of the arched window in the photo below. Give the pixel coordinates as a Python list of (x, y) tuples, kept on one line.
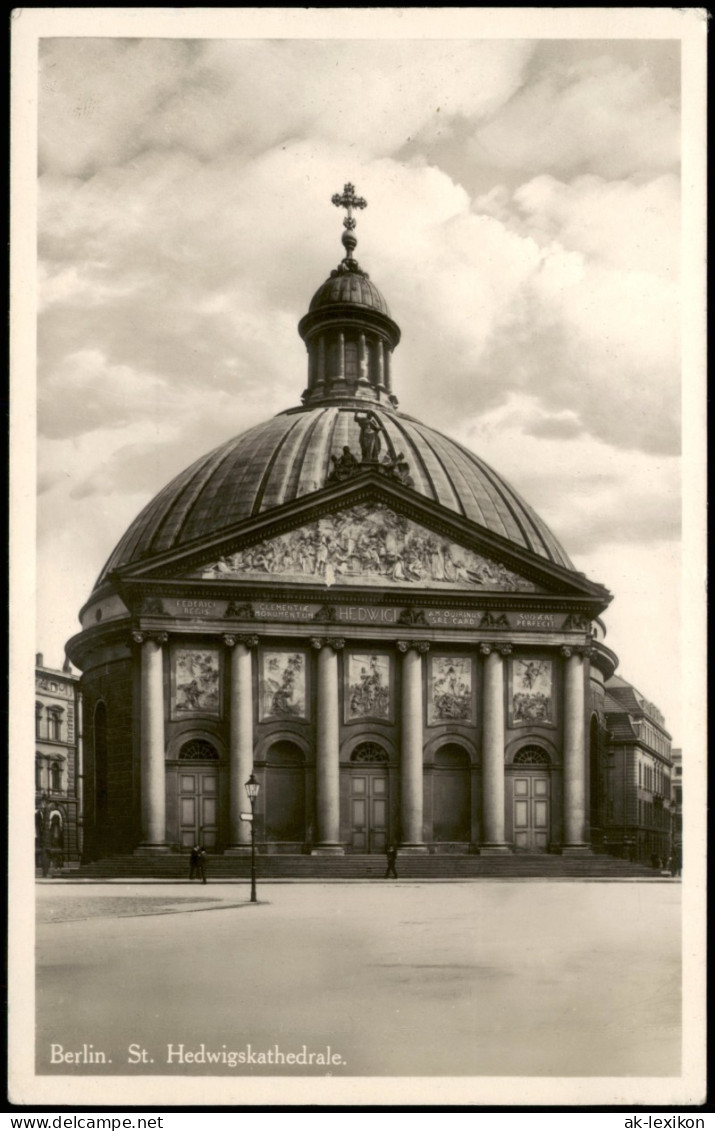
[(369, 752), (38, 772), (532, 756), (452, 757), (198, 750), (56, 777), (284, 753)]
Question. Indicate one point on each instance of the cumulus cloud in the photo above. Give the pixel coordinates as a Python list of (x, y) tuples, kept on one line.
[(592, 494), (597, 114)]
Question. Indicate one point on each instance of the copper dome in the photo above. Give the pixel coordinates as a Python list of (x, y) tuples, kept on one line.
[(349, 287)]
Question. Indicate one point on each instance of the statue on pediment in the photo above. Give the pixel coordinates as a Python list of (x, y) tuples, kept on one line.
[(370, 436), (344, 466)]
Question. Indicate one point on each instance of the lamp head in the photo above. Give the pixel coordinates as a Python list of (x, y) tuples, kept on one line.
[(252, 788)]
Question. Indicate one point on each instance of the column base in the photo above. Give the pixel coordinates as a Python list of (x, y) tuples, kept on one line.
[(151, 849), (576, 850), (495, 850), (238, 850), (411, 849), (327, 850)]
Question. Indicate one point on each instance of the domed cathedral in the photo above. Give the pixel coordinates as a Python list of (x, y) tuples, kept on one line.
[(357, 610)]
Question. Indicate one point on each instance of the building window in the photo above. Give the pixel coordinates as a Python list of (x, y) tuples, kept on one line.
[(38, 720), (38, 773), (54, 723), (198, 750), (368, 752), (56, 777), (532, 756)]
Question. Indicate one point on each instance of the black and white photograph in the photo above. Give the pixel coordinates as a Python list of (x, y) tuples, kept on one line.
[(357, 557)]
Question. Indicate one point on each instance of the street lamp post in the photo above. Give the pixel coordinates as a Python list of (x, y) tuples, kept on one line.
[(252, 788)]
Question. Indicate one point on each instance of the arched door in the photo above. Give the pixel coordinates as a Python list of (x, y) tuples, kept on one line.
[(531, 799), (452, 795), (198, 794), (369, 798), (285, 793)]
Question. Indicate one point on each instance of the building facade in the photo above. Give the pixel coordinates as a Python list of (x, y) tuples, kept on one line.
[(676, 804), (640, 776), (58, 738), (361, 612)]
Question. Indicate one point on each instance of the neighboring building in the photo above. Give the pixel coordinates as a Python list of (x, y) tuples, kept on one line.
[(360, 611), (676, 804), (57, 758), (640, 775)]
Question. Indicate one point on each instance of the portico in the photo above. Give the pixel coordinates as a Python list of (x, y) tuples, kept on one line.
[(388, 754)]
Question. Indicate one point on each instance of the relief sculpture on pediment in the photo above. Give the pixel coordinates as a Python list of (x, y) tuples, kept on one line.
[(368, 546)]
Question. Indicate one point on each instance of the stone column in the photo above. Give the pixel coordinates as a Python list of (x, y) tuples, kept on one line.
[(574, 753), (363, 374), (320, 379), (152, 753), (327, 749), (388, 370), (411, 760), (493, 749), (380, 356), (240, 751)]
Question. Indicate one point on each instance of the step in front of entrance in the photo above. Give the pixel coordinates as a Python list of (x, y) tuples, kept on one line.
[(356, 867)]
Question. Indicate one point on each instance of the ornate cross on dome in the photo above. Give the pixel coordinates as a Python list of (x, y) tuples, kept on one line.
[(348, 200)]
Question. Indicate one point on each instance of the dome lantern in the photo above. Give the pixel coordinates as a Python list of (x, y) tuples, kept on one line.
[(348, 331)]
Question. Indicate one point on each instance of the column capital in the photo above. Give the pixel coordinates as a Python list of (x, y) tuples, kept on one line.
[(495, 648), (337, 643), (249, 641), (229, 641), (420, 646), (139, 637)]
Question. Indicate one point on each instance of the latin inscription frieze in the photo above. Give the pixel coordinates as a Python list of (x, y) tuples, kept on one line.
[(360, 614)]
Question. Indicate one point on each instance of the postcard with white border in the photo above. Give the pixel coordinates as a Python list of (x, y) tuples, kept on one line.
[(357, 557)]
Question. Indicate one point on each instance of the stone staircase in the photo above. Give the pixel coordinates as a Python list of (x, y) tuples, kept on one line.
[(175, 866)]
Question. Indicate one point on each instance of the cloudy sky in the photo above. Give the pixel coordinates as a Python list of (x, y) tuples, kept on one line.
[(523, 223)]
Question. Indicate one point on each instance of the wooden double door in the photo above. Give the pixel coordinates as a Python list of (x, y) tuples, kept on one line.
[(198, 806), (532, 811), (369, 809)]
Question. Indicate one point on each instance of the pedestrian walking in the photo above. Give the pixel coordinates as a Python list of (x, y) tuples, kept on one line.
[(197, 863), (676, 863), (391, 853)]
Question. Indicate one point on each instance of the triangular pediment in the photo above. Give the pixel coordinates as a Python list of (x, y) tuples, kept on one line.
[(365, 545), (365, 534)]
